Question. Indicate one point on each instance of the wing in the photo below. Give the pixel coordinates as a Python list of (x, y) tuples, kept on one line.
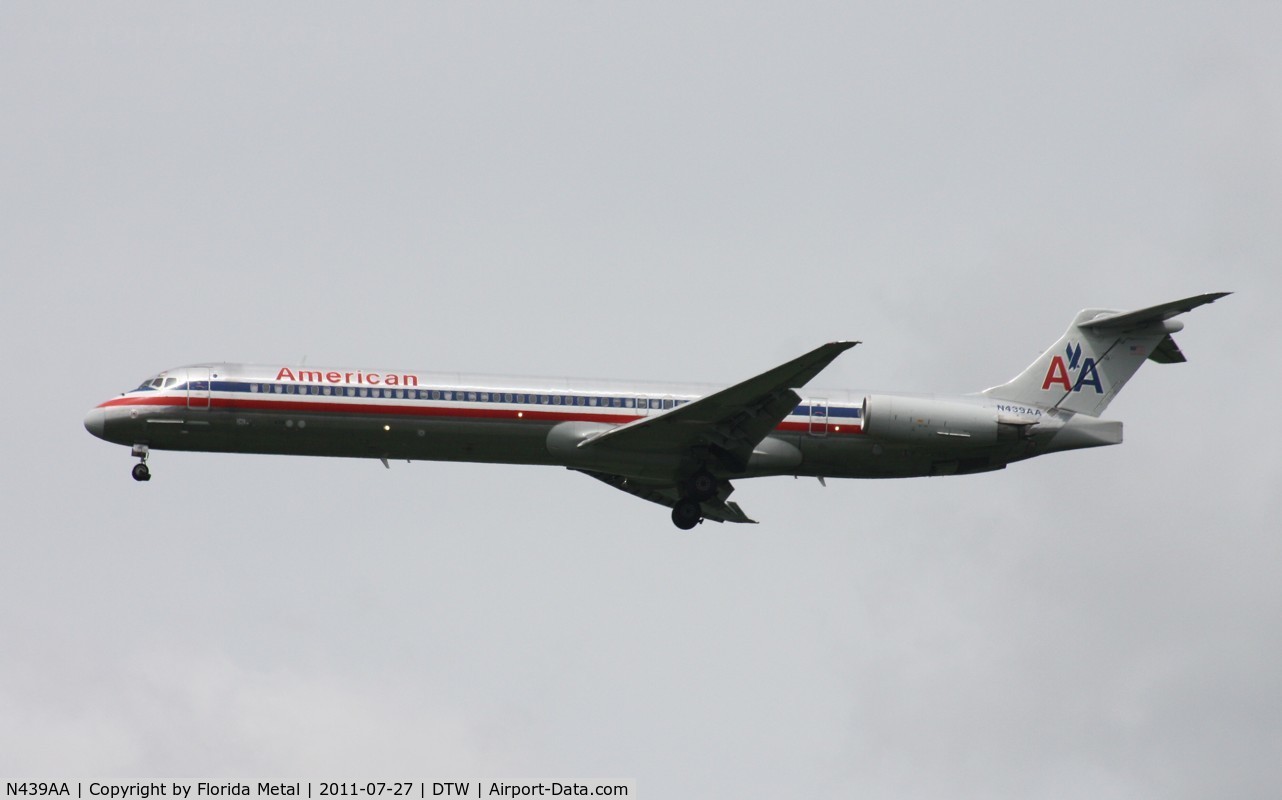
[(727, 424), (716, 508), (719, 430)]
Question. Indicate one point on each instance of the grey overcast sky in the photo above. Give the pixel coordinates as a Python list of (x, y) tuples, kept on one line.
[(664, 191)]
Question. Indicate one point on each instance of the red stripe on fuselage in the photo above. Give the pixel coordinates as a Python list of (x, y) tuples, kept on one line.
[(330, 407)]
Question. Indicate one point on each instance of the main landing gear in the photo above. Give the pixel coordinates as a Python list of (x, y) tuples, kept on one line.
[(700, 486), (140, 471), (686, 513)]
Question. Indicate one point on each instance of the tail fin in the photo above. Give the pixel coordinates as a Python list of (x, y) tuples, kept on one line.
[(1098, 354)]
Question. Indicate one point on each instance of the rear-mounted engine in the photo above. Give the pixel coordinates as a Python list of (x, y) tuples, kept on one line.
[(920, 420)]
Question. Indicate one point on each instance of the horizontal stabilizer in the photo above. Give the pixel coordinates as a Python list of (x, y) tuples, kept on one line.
[(1167, 352), (1146, 316)]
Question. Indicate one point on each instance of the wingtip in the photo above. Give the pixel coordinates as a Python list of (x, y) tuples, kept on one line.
[(1208, 298)]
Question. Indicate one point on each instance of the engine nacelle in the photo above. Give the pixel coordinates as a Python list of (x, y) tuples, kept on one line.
[(922, 420)]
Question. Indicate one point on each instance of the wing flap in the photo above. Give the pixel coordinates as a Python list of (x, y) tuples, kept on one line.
[(718, 508)]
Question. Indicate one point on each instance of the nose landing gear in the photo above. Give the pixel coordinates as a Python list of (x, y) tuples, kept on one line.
[(140, 470)]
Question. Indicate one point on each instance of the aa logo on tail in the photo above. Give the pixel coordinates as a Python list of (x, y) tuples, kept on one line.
[(1058, 373)]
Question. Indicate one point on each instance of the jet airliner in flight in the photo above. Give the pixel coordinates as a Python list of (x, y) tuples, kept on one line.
[(676, 445)]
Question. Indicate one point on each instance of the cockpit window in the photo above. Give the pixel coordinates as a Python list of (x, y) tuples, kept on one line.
[(161, 381)]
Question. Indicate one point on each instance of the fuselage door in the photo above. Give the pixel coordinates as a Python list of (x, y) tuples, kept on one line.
[(818, 417), (198, 388)]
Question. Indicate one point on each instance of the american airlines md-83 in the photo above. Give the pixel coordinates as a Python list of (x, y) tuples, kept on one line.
[(676, 445)]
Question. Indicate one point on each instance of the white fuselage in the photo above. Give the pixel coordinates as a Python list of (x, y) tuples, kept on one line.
[(676, 445), (424, 416)]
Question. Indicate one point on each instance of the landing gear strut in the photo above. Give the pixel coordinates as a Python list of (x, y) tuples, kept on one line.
[(140, 470), (686, 513)]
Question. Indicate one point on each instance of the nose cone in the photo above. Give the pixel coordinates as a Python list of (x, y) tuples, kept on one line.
[(96, 422)]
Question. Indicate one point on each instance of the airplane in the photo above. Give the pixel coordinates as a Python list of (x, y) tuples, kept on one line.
[(677, 445)]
